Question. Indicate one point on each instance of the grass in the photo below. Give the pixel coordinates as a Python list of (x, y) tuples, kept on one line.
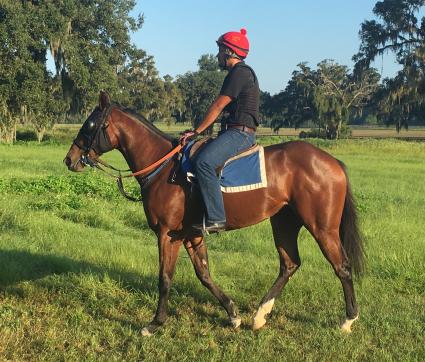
[(78, 270)]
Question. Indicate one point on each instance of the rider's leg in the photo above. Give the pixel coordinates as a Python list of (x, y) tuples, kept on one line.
[(226, 145)]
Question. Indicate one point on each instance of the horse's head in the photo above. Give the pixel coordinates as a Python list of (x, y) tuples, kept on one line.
[(93, 139)]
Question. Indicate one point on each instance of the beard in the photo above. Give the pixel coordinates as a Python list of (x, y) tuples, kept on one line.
[(222, 61)]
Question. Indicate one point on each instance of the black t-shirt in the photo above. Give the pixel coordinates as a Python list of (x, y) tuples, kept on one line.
[(241, 85)]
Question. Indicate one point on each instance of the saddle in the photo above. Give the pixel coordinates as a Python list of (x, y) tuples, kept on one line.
[(243, 172)]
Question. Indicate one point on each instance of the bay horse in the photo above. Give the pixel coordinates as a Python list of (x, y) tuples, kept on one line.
[(306, 187)]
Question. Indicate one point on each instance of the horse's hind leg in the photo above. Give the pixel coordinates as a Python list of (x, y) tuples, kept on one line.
[(198, 254), (286, 226), (331, 246)]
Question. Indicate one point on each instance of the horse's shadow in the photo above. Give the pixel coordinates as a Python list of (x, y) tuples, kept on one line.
[(17, 266)]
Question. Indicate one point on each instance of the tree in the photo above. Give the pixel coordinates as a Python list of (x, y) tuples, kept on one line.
[(140, 86), (266, 111), (90, 44), (396, 30), (25, 83), (89, 41), (298, 97), (200, 88), (174, 103), (337, 94), (326, 96)]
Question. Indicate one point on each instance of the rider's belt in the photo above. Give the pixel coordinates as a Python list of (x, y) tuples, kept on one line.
[(241, 127)]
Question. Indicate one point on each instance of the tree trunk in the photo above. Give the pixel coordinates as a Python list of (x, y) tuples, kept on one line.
[(8, 130), (338, 129), (40, 133)]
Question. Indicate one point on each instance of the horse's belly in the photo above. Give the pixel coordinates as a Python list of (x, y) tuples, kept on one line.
[(251, 207)]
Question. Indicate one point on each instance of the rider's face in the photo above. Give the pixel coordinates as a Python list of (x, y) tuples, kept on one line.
[(222, 58)]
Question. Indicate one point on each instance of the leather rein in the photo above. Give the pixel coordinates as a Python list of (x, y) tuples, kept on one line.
[(150, 171)]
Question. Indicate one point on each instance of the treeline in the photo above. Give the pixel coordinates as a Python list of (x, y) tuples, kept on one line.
[(90, 43), (331, 95)]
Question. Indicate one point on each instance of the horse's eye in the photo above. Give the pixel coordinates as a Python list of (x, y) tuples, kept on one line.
[(91, 125)]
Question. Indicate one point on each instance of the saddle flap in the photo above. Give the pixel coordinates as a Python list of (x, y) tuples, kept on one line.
[(244, 172)]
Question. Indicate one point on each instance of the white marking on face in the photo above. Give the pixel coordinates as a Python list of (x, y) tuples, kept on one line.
[(263, 310)]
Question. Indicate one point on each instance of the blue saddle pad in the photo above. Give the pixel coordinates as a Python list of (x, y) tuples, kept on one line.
[(243, 172)]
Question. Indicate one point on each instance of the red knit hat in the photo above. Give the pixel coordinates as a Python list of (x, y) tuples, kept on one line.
[(237, 41)]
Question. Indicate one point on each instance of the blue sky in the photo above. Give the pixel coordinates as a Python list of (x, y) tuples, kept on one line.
[(282, 33)]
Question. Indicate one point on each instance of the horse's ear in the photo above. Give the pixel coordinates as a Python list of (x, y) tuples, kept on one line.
[(104, 100)]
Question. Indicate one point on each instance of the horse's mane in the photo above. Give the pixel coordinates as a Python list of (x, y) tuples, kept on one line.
[(131, 112)]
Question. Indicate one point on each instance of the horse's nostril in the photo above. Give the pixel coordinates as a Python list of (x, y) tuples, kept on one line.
[(67, 161)]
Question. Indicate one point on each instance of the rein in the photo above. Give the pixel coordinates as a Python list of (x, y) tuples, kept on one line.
[(151, 171)]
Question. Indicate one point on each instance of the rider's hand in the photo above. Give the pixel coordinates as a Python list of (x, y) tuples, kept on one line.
[(187, 135)]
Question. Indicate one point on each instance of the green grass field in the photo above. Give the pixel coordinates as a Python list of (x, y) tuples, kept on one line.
[(78, 270)]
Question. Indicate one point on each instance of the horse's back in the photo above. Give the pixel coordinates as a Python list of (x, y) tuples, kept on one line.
[(302, 158), (300, 167)]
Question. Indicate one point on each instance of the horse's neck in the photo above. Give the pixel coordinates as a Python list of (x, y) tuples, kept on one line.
[(139, 145)]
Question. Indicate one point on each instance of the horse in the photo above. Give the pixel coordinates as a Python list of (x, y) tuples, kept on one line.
[(305, 187)]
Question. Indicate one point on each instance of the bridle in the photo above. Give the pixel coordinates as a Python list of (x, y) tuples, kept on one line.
[(92, 130)]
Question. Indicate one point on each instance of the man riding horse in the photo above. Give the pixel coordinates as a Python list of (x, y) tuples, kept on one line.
[(306, 187), (239, 97)]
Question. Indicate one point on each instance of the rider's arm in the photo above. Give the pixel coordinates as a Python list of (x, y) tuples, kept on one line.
[(213, 112)]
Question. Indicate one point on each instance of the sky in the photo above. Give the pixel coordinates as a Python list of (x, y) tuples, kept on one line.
[(282, 33)]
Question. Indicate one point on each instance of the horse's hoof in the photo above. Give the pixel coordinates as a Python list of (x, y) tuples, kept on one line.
[(258, 323), (346, 325), (263, 310), (145, 332), (235, 322)]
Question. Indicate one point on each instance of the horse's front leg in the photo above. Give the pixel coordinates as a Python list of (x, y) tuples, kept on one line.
[(197, 251), (168, 253)]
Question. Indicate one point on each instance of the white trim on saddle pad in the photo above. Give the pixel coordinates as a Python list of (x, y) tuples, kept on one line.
[(262, 184)]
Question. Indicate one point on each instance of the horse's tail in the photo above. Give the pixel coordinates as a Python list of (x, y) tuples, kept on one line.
[(349, 232)]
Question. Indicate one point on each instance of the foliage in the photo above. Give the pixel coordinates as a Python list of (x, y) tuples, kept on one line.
[(397, 30), (199, 89), (90, 43), (89, 40), (25, 83), (327, 97), (140, 86), (345, 132)]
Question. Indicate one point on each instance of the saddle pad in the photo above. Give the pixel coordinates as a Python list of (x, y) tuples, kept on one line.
[(244, 172)]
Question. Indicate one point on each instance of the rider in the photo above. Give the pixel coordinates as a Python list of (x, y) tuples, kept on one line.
[(239, 97)]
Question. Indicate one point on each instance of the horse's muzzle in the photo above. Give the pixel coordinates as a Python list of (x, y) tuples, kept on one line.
[(74, 167)]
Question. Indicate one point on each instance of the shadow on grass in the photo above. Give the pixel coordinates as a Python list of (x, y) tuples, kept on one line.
[(28, 135), (18, 266)]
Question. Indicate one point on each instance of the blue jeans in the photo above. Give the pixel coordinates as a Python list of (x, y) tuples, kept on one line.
[(226, 145)]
